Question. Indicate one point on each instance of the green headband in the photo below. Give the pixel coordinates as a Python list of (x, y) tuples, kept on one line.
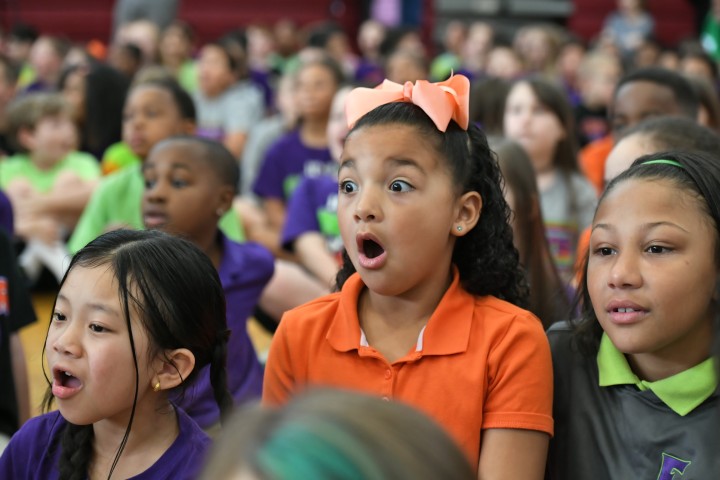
[(663, 161)]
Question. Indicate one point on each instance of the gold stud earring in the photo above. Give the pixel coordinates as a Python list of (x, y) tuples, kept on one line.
[(156, 387)]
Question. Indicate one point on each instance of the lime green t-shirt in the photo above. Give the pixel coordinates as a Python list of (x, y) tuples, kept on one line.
[(20, 166), (187, 76), (118, 201)]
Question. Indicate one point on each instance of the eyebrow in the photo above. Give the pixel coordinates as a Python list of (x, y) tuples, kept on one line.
[(393, 162), (644, 226), (98, 306)]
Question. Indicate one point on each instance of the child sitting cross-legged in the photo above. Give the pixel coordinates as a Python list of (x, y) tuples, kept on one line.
[(49, 182)]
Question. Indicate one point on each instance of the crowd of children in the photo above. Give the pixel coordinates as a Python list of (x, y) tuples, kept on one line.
[(514, 243)]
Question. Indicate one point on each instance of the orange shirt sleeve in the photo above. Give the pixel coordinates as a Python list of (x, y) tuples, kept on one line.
[(520, 380)]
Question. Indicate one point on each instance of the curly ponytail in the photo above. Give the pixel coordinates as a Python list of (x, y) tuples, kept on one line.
[(486, 257)]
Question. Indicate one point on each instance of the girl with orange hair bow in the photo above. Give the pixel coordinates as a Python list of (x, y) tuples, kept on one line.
[(426, 309)]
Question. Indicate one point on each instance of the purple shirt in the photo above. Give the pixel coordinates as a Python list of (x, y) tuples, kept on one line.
[(6, 214), (313, 208), (244, 271), (34, 451), (286, 162)]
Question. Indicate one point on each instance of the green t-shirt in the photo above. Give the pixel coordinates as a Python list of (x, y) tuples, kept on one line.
[(118, 201), (20, 166), (710, 36), (187, 76)]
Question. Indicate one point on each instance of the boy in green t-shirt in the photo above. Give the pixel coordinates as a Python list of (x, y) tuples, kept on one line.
[(48, 181)]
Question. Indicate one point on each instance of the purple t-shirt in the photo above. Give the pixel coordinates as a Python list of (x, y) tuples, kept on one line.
[(286, 162), (244, 271), (34, 451), (6, 214), (313, 208)]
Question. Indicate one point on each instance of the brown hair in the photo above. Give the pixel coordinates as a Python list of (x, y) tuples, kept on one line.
[(548, 299), (332, 434), (26, 112)]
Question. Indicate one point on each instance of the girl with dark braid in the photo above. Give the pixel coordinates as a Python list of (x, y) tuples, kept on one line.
[(138, 314)]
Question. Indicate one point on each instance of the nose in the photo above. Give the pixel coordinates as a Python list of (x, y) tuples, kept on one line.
[(66, 341), (155, 192), (625, 271), (367, 206)]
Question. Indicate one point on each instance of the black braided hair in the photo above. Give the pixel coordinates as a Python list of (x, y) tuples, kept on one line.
[(176, 291)]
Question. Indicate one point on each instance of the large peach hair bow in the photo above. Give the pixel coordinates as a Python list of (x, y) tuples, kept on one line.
[(441, 101)]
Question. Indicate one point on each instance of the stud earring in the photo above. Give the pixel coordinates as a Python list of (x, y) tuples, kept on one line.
[(156, 387), (220, 212), (459, 228)]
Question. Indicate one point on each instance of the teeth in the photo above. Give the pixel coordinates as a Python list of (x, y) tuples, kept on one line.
[(625, 310), (67, 374)]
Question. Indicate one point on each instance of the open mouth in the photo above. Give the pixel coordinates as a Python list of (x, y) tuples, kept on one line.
[(371, 248), (66, 379)]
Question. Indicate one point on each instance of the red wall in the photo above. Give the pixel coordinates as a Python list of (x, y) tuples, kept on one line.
[(83, 20)]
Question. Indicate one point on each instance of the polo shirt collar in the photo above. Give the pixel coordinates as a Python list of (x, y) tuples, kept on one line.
[(447, 331), (682, 392)]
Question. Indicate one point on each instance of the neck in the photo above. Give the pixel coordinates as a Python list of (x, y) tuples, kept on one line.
[(154, 429), (545, 179), (42, 163), (210, 244), (313, 132), (394, 335)]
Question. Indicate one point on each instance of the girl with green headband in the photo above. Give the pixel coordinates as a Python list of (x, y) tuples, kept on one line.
[(635, 385)]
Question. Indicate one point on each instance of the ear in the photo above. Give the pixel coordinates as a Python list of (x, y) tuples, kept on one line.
[(188, 127), (226, 197), (172, 369), (468, 210), (26, 138)]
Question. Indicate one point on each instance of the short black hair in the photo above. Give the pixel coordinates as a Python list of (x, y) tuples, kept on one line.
[(680, 86), (676, 133), (212, 153)]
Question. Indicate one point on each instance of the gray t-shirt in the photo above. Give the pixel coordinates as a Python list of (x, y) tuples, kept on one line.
[(237, 109), (568, 208)]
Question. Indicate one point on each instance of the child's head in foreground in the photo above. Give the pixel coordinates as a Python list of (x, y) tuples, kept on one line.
[(338, 435), (40, 125), (418, 195), (652, 270), (138, 314), (154, 110)]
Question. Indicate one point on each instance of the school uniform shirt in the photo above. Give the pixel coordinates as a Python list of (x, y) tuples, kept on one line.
[(479, 363), (34, 452), (313, 208), (286, 162), (118, 201), (245, 270), (16, 312), (6, 215), (610, 424)]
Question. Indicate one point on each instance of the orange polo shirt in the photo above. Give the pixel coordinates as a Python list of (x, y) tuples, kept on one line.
[(479, 363)]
